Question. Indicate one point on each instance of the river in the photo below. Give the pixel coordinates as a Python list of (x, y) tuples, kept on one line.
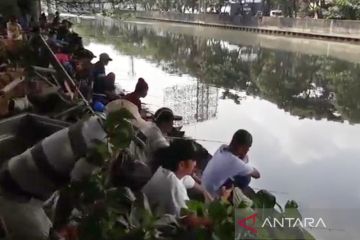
[(299, 98)]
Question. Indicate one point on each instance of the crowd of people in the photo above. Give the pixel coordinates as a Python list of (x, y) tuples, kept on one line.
[(173, 177)]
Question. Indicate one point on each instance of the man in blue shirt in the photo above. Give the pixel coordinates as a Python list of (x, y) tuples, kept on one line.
[(100, 78), (99, 66)]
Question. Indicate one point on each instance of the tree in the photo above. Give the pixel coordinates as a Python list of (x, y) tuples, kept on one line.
[(345, 9)]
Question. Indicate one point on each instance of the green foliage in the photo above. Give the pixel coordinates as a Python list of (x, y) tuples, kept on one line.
[(119, 128), (345, 9), (118, 213), (222, 214)]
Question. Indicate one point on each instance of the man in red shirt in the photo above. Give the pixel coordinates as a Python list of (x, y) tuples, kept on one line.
[(141, 90)]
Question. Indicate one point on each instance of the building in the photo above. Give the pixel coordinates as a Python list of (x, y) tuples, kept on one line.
[(247, 7)]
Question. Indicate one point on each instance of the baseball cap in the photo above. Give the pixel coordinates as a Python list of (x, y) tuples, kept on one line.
[(163, 113), (166, 113), (105, 56)]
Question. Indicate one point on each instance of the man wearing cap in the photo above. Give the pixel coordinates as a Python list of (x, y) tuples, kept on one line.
[(102, 81), (99, 66), (153, 136)]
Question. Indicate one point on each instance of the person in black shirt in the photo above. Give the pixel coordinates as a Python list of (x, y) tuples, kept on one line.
[(99, 66), (104, 89), (56, 20)]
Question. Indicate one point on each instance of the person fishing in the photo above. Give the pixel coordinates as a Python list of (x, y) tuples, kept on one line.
[(99, 66), (141, 90), (43, 21), (105, 90), (166, 190), (56, 20), (153, 136), (230, 162), (103, 84)]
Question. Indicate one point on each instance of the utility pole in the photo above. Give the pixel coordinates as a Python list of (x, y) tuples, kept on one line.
[(35, 9)]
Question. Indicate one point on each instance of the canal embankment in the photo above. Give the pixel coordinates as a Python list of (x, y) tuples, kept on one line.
[(329, 29)]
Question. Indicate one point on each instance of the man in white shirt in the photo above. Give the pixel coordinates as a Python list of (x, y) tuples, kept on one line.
[(167, 189), (229, 162)]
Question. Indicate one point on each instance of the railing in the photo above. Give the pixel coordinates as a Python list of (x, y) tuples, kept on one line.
[(69, 83)]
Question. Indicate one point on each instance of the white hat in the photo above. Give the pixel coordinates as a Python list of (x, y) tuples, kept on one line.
[(116, 105)]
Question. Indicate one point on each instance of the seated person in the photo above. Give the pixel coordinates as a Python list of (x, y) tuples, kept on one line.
[(62, 56), (83, 72), (166, 190), (141, 90), (104, 89), (56, 20), (52, 40), (14, 30), (153, 136), (66, 60), (228, 162), (125, 171), (99, 66), (43, 21), (64, 30)]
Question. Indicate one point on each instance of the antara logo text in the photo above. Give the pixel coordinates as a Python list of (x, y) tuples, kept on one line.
[(308, 222)]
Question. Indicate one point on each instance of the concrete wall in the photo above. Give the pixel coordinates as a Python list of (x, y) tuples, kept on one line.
[(307, 25)]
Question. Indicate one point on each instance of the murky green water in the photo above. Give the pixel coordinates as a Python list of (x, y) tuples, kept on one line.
[(299, 98)]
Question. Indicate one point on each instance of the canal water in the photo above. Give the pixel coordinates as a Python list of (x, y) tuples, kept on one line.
[(299, 98)]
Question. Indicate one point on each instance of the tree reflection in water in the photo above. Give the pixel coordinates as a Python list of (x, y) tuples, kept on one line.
[(307, 86)]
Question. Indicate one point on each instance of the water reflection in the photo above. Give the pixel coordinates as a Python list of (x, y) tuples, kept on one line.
[(195, 102), (307, 86), (302, 109)]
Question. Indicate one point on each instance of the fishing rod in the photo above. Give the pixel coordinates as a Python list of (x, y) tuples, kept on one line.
[(58, 66), (198, 139)]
